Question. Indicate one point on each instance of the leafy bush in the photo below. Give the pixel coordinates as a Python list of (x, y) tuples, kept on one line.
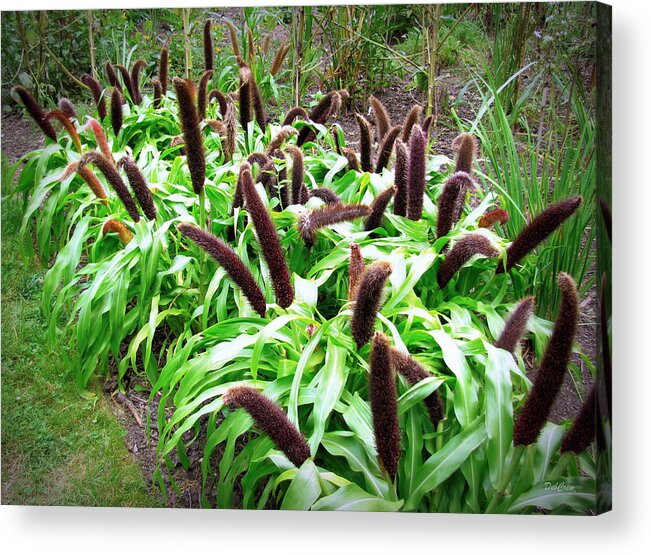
[(136, 282)]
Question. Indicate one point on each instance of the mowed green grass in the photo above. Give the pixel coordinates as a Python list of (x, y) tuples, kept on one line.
[(59, 447)]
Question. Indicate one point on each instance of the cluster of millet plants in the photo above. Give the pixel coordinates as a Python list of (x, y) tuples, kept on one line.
[(326, 312)]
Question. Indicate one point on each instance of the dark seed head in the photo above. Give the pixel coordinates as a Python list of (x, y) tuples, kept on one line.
[(272, 420), (368, 300)]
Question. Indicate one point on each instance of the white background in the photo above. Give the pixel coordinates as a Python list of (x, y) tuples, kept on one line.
[(624, 530)]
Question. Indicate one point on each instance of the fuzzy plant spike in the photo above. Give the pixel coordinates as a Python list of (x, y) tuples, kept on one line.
[(89, 177), (223, 100), (158, 93), (230, 124), (162, 69), (227, 259), (356, 269), (217, 126), (137, 67), (299, 191), (416, 173), (310, 222), (284, 133), (413, 372), (549, 378), (111, 75), (238, 196), (351, 156), (379, 205), (272, 420), (232, 32), (267, 173), (35, 110), (516, 326), (116, 226), (258, 105), (293, 114), (492, 217), (384, 405), (67, 107), (126, 80), (321, 112), (413, 117), (191, 133), (463, 250), (465, 146), (538, 230), (326, 195), (107, 167), (400, 179), (386, 148), (116, 110), (66, 124), (582, 432), (453, 189), (269, 242), (279, 58), (139, 186), (207, 45), (202, 94), (367, 302), (246, 97), (97, 92), (427, 125), (382, 119), (364, 143), (100, 137)]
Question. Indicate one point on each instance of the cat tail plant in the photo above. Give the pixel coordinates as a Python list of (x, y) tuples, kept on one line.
[(548, 379), (268, 240)]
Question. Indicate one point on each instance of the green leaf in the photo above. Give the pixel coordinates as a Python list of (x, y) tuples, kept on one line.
[(331, 383), (304, 490), (440, 466), (498, 407), (465, 390), (354, 498), (578, 493)]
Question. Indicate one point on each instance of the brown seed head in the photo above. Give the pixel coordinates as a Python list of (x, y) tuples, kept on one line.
[(368, 300), (463, 250), (227, 258), (271, 419), (384, 405), (549, 378)]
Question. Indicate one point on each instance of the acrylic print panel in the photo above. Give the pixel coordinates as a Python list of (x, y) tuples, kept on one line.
[(315, 258)]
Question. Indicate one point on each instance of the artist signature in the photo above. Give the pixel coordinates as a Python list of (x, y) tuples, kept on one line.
[(558, 486)]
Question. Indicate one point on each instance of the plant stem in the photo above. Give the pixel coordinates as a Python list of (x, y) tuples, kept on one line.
[(500, 490), (186, 41), (432, 19), (91, 43), (561, 466), (298, 31), (203, 285)]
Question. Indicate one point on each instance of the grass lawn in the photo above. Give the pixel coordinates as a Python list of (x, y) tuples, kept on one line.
[(59, 447)]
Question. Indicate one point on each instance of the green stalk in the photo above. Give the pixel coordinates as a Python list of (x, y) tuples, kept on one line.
[(203, 282), (562, 464), (500, 490), (185, 14), (91, 43)]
